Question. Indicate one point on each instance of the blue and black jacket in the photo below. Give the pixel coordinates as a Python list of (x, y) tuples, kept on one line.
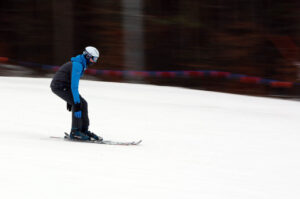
[(68, 76)]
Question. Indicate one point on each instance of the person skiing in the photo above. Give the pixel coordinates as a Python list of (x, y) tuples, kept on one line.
[(65, 85)]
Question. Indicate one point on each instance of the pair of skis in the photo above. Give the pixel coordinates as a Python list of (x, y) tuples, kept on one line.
[(108, 142)]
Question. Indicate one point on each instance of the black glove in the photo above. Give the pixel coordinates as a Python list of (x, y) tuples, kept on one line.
[(77, 107), (69, 107), (77, 110)]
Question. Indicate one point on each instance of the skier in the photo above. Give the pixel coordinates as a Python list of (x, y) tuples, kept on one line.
[(65, 84)]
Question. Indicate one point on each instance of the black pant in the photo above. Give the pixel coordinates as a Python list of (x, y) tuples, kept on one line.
[(81, 124)]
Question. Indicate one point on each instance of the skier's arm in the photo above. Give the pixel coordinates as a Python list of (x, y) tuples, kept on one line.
[(75, 76)]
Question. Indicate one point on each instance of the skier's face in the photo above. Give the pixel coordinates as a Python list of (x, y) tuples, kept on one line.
[(92, 61)]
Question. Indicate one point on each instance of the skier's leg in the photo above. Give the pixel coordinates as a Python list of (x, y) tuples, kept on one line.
[(67, 96), (86, 121), (85, 117), (64, 94), (76, 122)]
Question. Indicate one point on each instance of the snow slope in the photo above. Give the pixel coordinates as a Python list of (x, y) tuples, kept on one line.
[(196, 144)]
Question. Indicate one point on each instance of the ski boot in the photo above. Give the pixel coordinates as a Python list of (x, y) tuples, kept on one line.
[(77, 135), (93, 136)]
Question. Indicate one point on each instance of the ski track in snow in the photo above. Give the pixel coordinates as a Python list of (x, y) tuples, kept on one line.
[(196, 144)]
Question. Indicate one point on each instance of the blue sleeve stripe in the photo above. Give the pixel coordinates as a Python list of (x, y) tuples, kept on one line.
[(75, 81)]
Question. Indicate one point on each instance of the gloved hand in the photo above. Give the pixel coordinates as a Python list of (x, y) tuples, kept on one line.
[(77, 114), (77, 110), (69, 107)]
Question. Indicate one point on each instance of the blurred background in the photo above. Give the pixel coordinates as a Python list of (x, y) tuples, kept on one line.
[(237, 46)]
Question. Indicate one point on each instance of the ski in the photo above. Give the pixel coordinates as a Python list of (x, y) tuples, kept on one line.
[(108, 142)]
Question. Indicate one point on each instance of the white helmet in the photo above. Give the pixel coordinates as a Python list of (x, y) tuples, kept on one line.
[(91, 52)]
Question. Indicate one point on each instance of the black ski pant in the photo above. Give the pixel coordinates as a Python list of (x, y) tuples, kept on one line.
[(81, 124)]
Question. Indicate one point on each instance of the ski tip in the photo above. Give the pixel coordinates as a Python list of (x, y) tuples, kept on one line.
[(137, 143), (55, 137)]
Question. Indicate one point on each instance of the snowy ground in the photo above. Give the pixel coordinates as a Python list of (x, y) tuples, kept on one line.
[(196, 144)]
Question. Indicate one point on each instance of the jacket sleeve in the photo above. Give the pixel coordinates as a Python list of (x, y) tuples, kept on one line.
[(75, 76)]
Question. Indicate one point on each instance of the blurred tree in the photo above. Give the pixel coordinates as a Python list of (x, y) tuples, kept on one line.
[(133, 34), (63, 30)]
